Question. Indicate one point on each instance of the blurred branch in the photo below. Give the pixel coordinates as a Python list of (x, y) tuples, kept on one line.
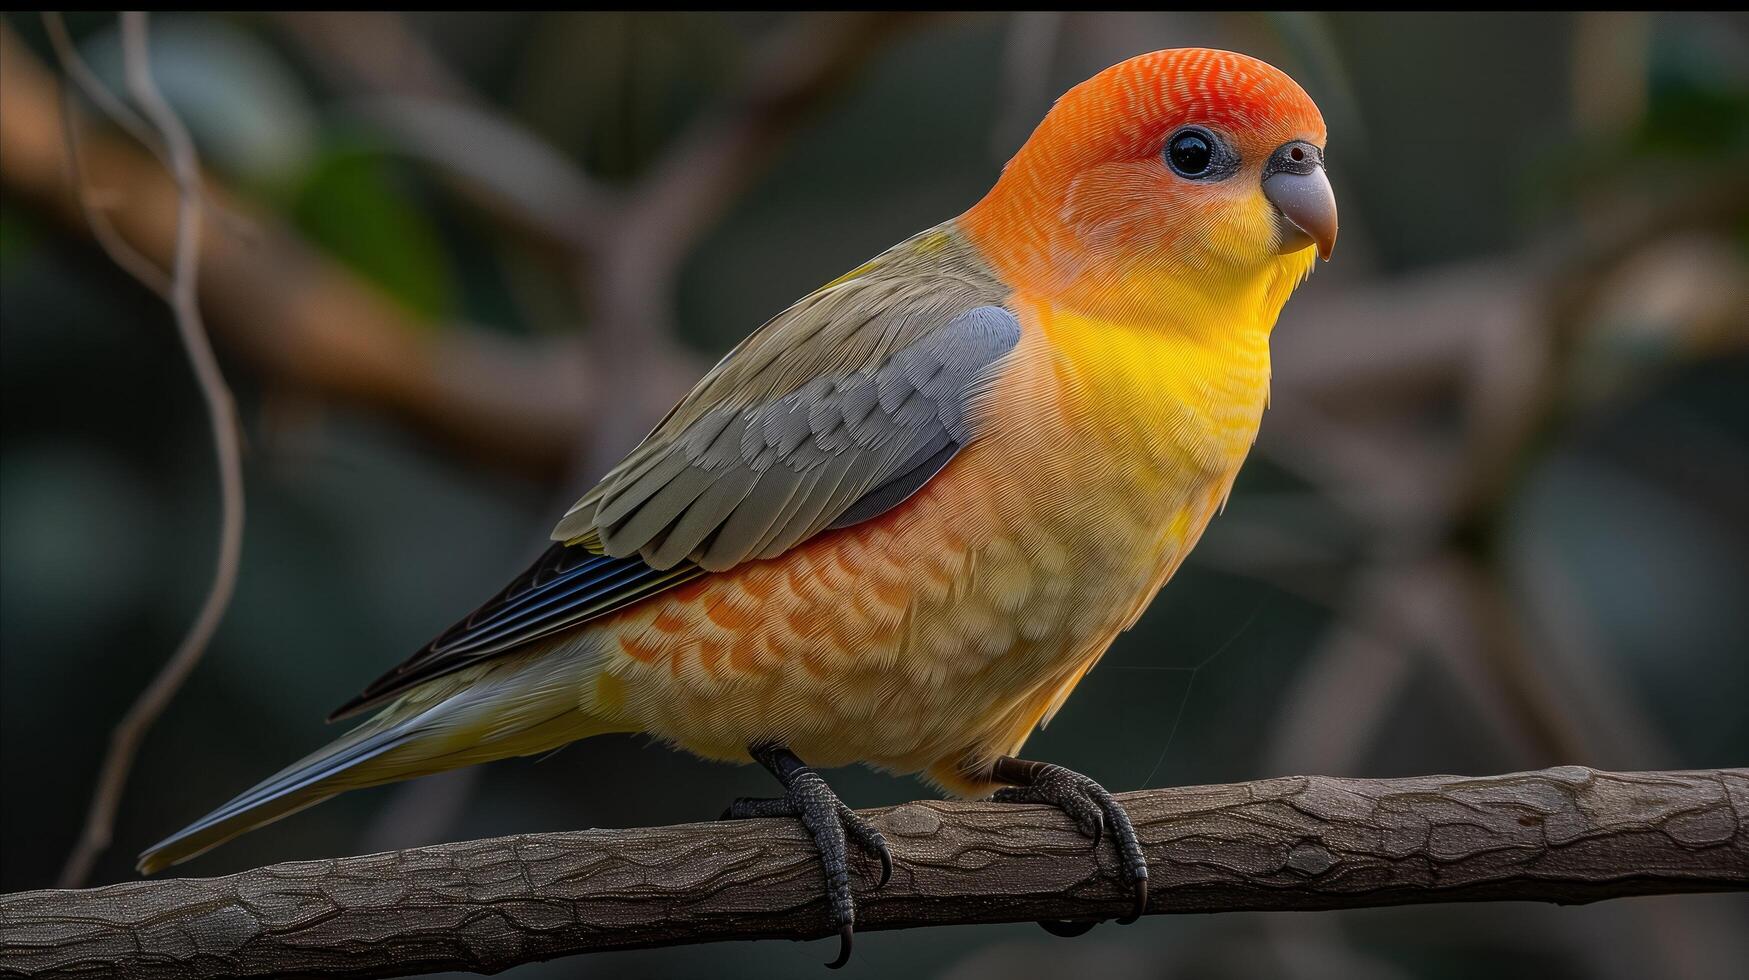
[(1567, 835), (1520, 399), (1514, 420), (181, 294), (293, 313), (627, 277), (1611, 61), (715, 158), (501, 167), (1362, 662), (650, 226), (404, 89), (376, 48), (93, 202)]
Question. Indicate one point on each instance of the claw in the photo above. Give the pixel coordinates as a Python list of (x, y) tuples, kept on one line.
[(1141, 905), (844, 937), (870, 841)]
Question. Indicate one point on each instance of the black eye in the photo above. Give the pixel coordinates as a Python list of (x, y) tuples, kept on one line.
[(1191, 154)]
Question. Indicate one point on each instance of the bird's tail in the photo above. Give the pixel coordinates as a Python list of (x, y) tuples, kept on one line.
[(469, 717)]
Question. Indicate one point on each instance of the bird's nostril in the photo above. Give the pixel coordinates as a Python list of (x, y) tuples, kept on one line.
[(1298, 154)]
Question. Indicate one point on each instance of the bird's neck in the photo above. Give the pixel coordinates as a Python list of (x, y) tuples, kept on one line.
[(1212, 303), (1195, 356)]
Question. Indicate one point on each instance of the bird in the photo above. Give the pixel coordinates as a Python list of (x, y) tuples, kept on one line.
[(900, 521)]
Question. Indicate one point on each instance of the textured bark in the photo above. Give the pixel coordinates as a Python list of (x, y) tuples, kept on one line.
[(1565, 835)]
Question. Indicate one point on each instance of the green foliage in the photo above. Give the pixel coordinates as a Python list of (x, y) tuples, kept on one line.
[(366, 210), (1698, 97), (17, 233)]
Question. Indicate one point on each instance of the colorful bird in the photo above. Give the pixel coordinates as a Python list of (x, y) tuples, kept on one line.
[(899, 522)]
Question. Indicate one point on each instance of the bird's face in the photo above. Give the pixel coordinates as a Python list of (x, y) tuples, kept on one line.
[(1194, 163)]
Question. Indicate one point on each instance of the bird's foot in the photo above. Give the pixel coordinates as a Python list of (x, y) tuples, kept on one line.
[(832, 825), (1093, 809)]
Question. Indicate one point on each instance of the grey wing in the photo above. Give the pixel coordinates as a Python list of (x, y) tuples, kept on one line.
[(752, 481)]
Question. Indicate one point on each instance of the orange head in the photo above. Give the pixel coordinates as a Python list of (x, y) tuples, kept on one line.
[(1187, 162)]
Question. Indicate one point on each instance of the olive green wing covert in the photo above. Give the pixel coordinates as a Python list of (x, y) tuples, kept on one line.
[(832, 413)]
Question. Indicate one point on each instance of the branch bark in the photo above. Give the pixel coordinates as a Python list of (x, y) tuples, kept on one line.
[(1567, 835)]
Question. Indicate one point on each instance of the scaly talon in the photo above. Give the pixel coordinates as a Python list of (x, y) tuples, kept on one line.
[(1093, 809), (831, 824), (868, 839), (1141, 906)]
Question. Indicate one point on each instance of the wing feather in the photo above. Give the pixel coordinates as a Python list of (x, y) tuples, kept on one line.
[(567, 586), (871, 428), (831, 414)]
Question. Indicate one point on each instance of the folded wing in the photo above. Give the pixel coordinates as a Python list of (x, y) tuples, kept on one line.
[(832, 413)]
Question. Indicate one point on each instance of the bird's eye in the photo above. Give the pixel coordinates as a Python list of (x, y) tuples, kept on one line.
[(1196, 154)]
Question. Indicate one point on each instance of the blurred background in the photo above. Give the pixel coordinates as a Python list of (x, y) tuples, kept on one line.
[(455, 265)]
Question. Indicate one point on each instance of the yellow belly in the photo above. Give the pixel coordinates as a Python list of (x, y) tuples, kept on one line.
[(937, 636)]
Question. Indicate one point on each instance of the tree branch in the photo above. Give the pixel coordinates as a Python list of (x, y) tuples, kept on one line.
[(1568, 835)]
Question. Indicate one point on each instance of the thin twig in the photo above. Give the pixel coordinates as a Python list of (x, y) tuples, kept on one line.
[(119, 250), (123, 115), (222, 414), (107, 102)]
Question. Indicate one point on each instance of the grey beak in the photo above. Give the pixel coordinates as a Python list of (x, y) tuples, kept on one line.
[(1294, 182)]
